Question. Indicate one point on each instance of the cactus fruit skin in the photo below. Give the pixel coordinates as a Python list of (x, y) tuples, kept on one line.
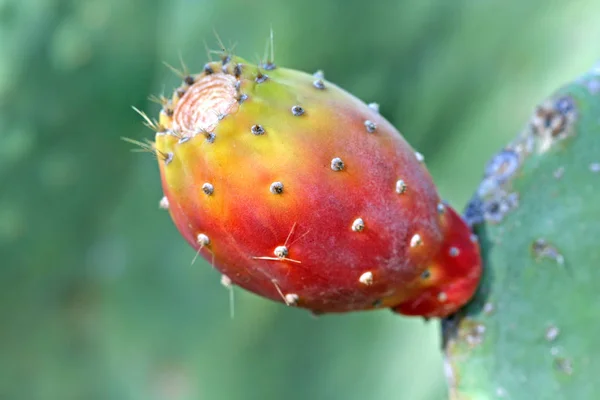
[(299, 192), (531, 331)]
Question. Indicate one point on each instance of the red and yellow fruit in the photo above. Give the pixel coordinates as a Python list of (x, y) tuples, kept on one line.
[(301, 193)]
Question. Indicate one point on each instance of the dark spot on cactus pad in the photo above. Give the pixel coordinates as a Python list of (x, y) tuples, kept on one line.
[(564, 365), (499, 205), (454, 252), (565, 105), (257, 129), (502, 166), (542, 249), (465, 330), (180, 93), (297, 111), (426, 274), (552, 121), (225, 59), (168, 158)]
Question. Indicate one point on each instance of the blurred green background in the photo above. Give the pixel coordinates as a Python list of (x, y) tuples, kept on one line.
[(98, 299)]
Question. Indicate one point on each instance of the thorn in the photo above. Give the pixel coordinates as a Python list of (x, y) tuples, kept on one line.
[(152, 124), (276, 259), (203, 241), (161, 100), (319, 75), (269, 63), (226, 281), (210, 137), (225, 54), (292, 299), (148, 147), (208, 53), (176, 133), (180, 74), (419, 156), (281, 252)]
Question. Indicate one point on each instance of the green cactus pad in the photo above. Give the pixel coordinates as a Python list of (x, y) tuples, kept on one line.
[(532, 331)]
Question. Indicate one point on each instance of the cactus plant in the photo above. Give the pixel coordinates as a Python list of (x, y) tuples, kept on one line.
[(532, 330), (299, 192)]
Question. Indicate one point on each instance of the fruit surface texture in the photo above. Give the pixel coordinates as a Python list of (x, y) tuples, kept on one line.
[(301, 193)]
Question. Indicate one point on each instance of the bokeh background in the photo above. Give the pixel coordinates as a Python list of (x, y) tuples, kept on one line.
[(98, 299)]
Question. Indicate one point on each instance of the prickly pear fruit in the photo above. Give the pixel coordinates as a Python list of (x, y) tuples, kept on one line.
[(299, 192)]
